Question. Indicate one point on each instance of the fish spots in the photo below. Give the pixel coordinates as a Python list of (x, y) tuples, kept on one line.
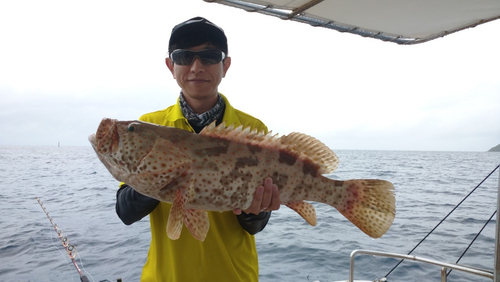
[(306, 210), (254, 149), (287, 158), (220, 148), (169, 188), (235, 176), (355, 194), (225, 182), (210, 166), (310, 168), (281, 180), (246, 162), (204, 170), (237, 198), (305, 191)]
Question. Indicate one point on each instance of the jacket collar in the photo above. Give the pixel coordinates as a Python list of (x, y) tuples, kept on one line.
[(230, 116)]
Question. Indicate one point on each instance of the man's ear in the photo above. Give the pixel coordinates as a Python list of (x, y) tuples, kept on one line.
[(225, 65), (170, 65)]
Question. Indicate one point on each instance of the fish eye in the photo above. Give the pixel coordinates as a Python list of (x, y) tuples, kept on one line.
[(134, 126)]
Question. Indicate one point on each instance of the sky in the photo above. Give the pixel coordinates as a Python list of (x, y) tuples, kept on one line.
[(65, 65)]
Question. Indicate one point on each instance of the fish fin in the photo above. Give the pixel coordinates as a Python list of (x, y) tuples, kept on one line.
[(197, 222), (369, 204), (311, 148), (176, 216), (304, 209), (241, 134), (300, 144)]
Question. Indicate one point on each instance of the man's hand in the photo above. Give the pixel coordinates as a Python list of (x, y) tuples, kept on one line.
[(266, 198)]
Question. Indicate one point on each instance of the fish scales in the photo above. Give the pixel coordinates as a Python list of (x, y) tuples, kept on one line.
[(220, 169)]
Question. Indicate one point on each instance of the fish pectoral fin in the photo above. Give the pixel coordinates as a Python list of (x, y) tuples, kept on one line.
[(176, 216), (197, 222), (306, 210)]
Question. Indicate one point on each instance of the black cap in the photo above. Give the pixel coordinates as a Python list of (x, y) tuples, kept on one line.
[(197, 31)]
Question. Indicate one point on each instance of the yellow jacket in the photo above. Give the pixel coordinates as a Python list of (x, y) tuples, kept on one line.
[(228, 252)]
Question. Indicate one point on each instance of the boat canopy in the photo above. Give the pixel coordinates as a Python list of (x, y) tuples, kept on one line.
[(399, 21)]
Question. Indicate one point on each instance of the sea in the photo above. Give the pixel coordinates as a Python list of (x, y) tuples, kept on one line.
[(78, 194)]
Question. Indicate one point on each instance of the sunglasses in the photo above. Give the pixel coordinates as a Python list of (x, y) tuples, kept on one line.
[(185, 57)]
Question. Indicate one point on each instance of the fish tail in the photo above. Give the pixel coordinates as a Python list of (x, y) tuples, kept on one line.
[(367, 203)]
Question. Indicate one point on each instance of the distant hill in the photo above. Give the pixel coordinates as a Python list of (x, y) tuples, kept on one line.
[(495, 149)]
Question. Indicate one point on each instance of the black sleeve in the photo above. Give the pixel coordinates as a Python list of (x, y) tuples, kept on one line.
[(131, 206), (253, 224)]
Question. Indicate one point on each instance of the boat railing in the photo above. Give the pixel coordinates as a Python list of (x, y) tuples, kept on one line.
[(444, 266), (493, 275)]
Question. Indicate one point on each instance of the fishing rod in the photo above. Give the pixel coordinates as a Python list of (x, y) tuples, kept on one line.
[(70, 249)]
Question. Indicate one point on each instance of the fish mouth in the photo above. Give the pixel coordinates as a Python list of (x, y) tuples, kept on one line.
[(106, 137)]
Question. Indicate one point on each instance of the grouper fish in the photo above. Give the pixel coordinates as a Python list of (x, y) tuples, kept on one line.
[(220, 168)]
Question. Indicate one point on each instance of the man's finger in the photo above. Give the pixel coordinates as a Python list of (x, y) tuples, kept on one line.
[(268, 194), (256, 203), (275, 202)]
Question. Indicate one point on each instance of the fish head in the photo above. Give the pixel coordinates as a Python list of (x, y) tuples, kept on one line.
[(122, 145), (146, 156)]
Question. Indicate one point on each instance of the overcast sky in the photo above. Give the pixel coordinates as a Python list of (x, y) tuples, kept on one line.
[(64, 65)]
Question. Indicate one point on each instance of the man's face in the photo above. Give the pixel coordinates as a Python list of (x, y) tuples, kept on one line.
[(198, 81)]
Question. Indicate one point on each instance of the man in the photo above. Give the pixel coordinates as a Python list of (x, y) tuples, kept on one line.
[(198, 61)]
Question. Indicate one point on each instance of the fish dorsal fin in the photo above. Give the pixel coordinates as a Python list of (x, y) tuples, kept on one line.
[(311, 148), (241, 134), (302, 145)]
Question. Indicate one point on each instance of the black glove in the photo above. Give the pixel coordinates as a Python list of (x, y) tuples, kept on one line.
[(252, 223)]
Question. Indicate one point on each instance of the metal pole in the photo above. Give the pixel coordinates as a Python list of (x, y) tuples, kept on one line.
[(496, 273), (467, 269), (443, 274)]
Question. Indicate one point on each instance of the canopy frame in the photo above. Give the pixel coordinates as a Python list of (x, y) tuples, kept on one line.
[(300, 14)]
